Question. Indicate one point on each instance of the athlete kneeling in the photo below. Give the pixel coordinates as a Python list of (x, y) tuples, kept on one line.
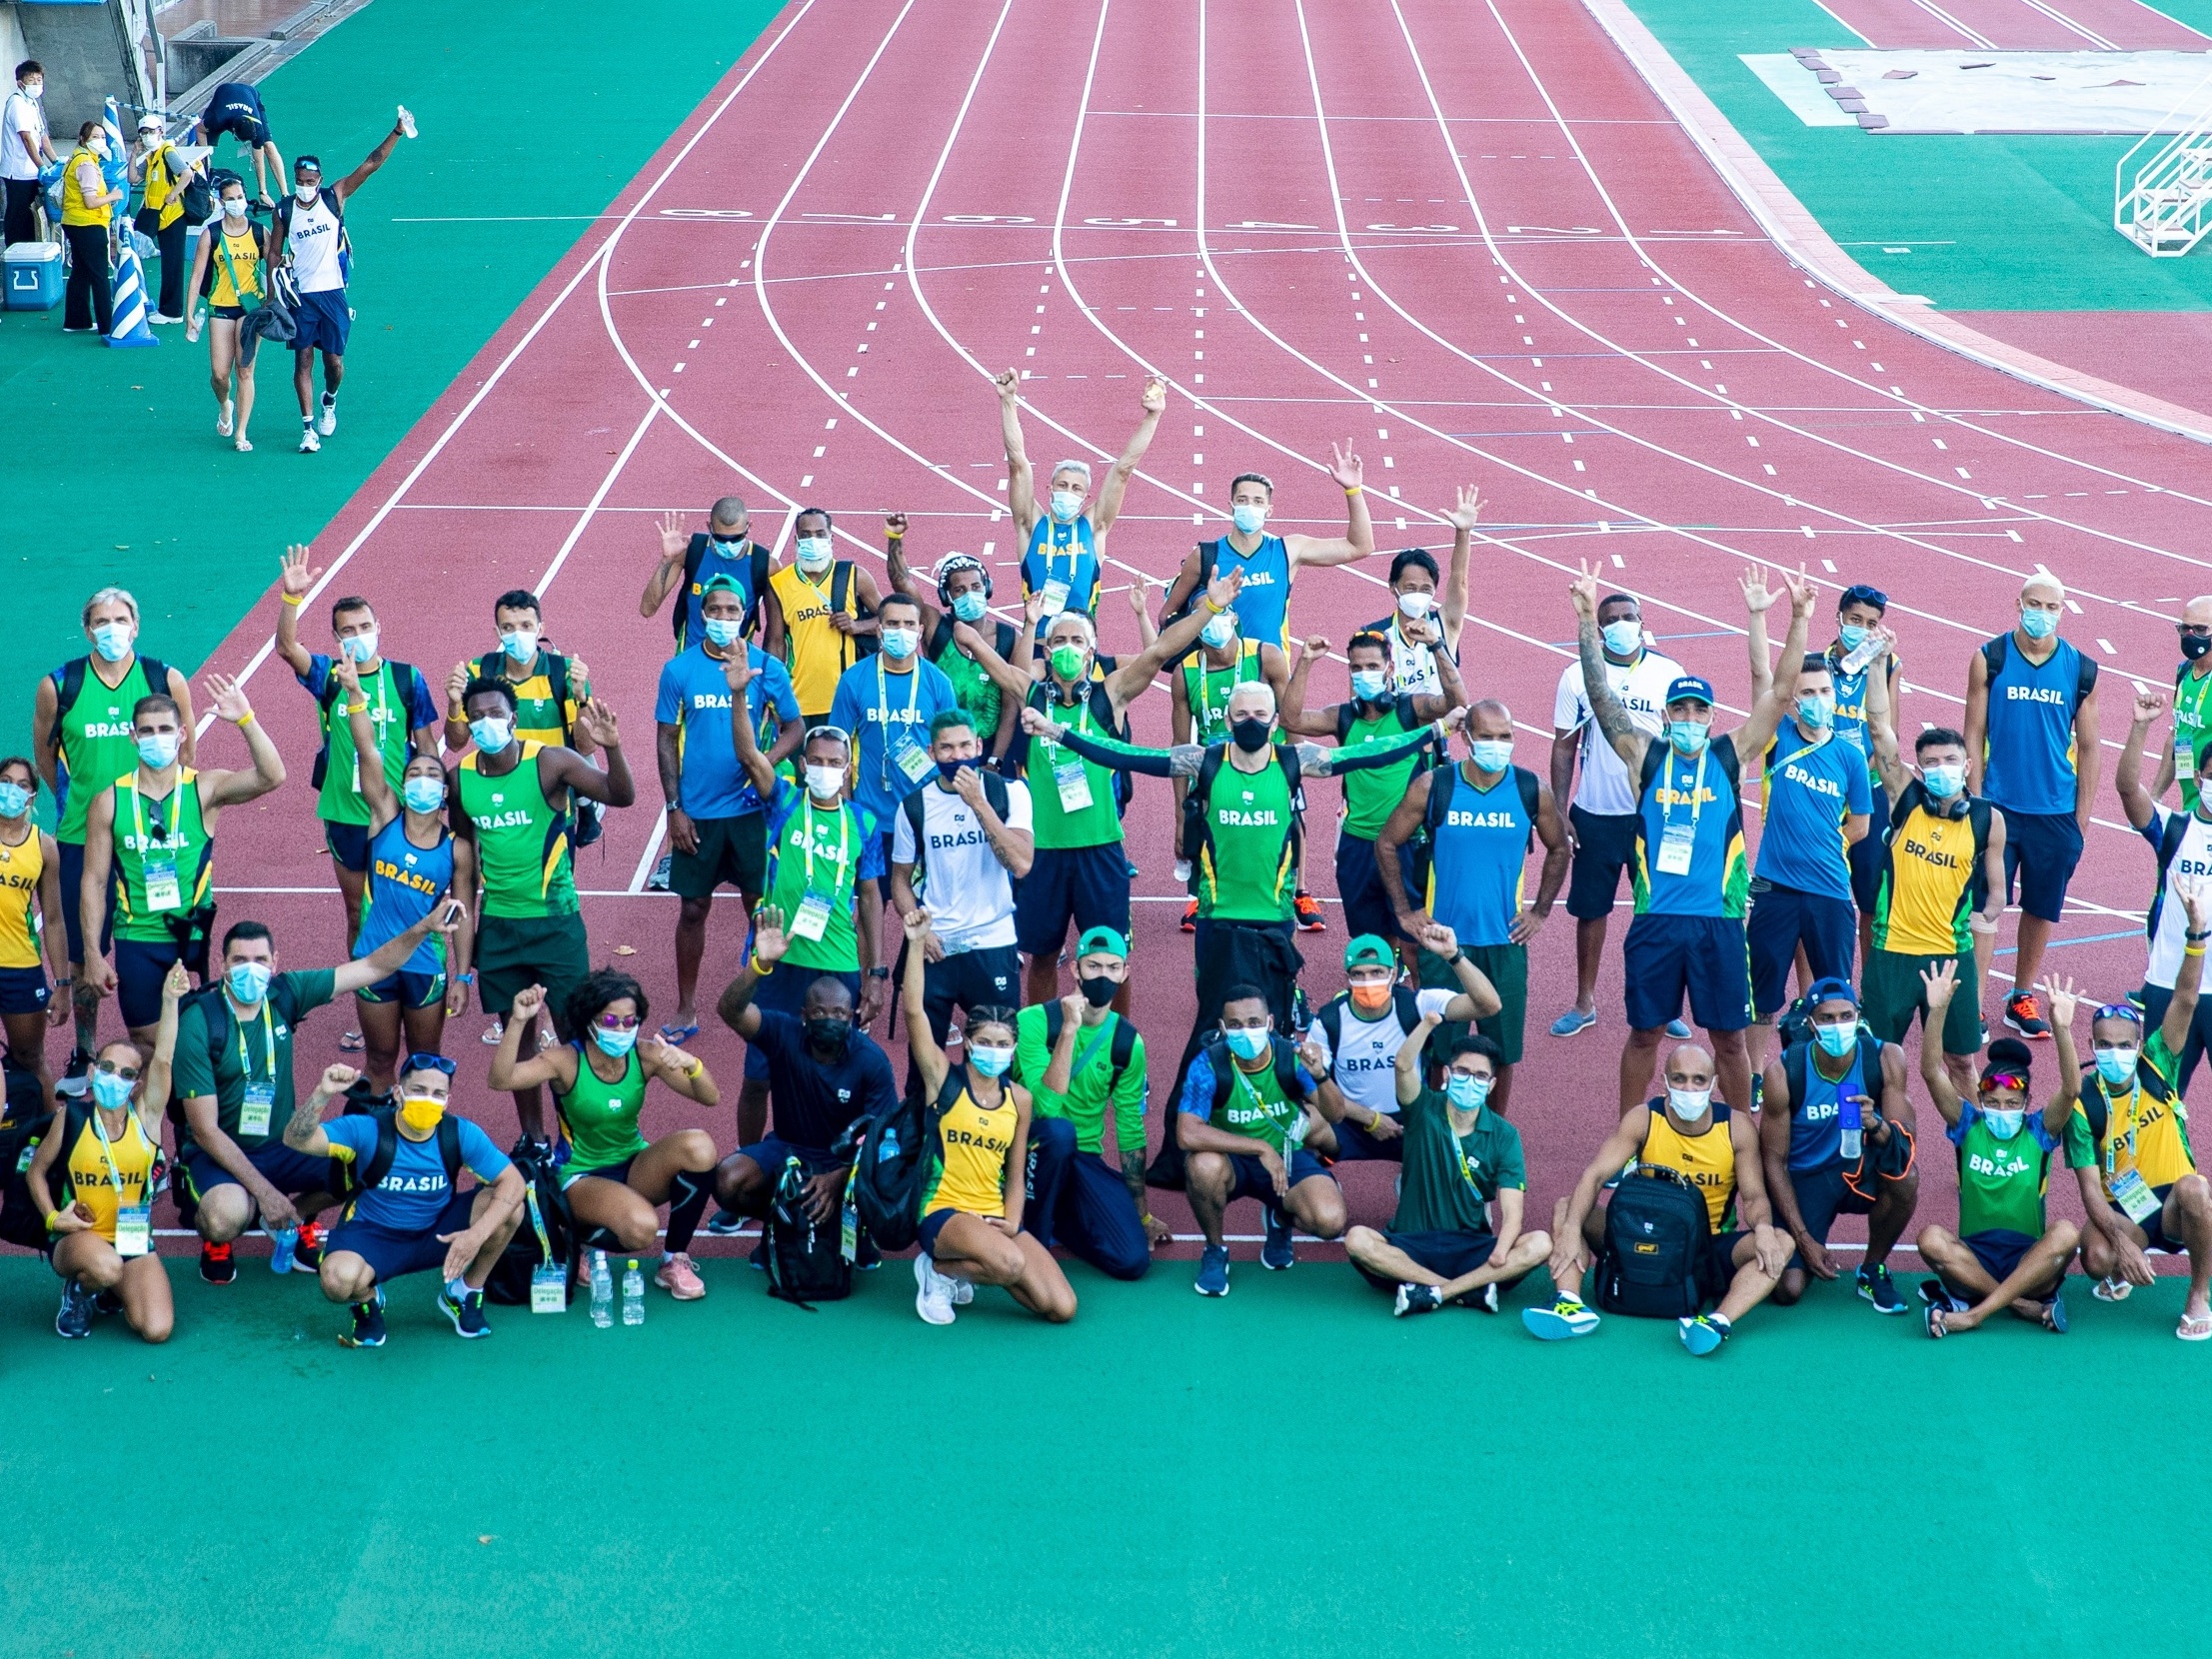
[(971, 1211)]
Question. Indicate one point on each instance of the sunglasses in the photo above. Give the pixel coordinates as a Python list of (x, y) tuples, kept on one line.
[(2119, 1011), (618, 1021), (428, 1063), (129, 1073)]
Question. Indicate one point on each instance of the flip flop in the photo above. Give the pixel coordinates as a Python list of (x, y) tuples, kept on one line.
[(676, 1036), (1936, 1328), (2197, 1328), (350, 1043), (2054, 1316), (2112, 1288)]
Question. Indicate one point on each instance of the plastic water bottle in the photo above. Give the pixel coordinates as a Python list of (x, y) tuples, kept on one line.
[(1848, 1113), (888, 1147), (603, 1291), (1865, 653), (287, 1244), (632, 1295)]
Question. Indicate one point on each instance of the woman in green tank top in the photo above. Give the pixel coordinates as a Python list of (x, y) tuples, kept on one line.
[(614, 1177)]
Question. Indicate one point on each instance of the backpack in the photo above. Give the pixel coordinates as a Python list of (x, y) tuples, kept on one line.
[(367, 1176), (995, 791), (695, 560), (1424, 758), (1655, 1231), (22, 1217), (1101, 717), (69, 685), (1223, 1063), (218, 1044), (1003, 641), (841, 586), (547, 1235), (896, 1149), (1199, 796), (1330, 1018), (2171, 835), (805, 1258), (335, 202), (586, 819), (1122, 1054), (406, 677), (1996, 653), (203, 191)]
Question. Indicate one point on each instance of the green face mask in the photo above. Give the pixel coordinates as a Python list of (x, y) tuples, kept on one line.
[(1068, 661)]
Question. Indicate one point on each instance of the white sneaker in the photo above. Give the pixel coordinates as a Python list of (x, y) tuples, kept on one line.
[(964, 1291), (309, 442), (495, 1032), (164, 318), (223, 421), (326, 420), (933, 1297)]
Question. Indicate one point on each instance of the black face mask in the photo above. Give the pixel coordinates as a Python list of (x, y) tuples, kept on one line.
[(950, 770), (827, 1036), (2194, 645), (1250, 735), (1098, 989)]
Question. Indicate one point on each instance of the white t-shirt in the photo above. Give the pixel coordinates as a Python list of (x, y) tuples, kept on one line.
[(967, 890), (1604, 785), (2192, 860), (1365, 1072), (1414, 666), (23, 115), (311, 242)]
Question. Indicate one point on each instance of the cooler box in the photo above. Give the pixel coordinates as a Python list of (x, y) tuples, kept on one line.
[(34, 276)]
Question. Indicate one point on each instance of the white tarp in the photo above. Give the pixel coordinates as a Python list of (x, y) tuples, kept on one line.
[(2003, 92)]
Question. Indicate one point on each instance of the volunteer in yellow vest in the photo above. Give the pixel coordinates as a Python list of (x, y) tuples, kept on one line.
[(87, 208), (1717, 1150), (972, 1208), (94, 1176), (228, 268), (401, 710), (821, 634), (30, 940), (513, 799), (162, 168), (152, 834)]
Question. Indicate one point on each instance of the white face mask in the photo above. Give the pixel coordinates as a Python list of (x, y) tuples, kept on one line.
[(1416, 604), (1688, 1105), (814, 552), (234, 209), (307, 194), (824, 782)]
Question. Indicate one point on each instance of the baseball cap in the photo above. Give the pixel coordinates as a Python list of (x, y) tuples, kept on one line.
[(1103, 942), (722, 582), (149, 122), (1830, 990), (1687, 687), (1369, 950)]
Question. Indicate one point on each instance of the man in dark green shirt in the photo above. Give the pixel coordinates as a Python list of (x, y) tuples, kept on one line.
[(1459, 1156)]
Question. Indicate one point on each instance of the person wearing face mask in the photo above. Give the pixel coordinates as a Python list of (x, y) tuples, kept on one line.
[(108, 1161), (960, 637), (2031, 746), (2192, 701), (229, 270), (888, 703), (515, 798), (25, 147), (31, 940), (689, 561), (1429, 609), (1063, 546), (403, 719), (828, 609), (1836, 1078), (153, 831), (1602, 799), (2181, 842), (162, 170), (234, 1079), (1461, 1156), (1198, 693), (2007, 1252), (1080, 1060), (1270, 562), (408, 1212), (616, 1180), (1717, 1151), (1859, 609), (1356, 1035), (1479, 820), (236, 108), (961, 840), (87, 215), (81, 730), (824, 1072), (1689, 873), (716, 830), (549, 686)]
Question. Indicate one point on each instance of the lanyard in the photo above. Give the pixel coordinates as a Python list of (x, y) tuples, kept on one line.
[(2111, 1134), (845, 830), (268, 1043), (1266, 1110), (1051, 549), (1080, 723), (1460, 1153), (382, 714), (1697, 787), (883, 710), (107, 1150), (1210, 718)]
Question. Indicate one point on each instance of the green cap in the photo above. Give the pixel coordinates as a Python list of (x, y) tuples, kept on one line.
[(1103, 942), (1369, 950), (721, 582)]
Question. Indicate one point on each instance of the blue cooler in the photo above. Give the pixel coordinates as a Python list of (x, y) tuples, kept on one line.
[(34, 276)]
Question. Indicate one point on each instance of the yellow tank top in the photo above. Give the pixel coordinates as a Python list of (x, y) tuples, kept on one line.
[(1924, 905), (73, 208), (245, 258), (1707, 1160), (817, 653), (977, 1139), (2147, 1136), (94, 1182), (20, 871)]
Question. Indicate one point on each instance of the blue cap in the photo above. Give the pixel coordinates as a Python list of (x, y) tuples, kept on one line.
[(1689, 686), (1830, 990)]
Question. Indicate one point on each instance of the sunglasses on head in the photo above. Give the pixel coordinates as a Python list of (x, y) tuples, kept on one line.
[(2119, 1011), (428, 1063)]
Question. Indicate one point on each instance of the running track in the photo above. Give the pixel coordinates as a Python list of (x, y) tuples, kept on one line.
[(1467, 235)]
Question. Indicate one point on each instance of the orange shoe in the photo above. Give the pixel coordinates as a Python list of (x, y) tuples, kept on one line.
[(1191, 916), (1310, 919)]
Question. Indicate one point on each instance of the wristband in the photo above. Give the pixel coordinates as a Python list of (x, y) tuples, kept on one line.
[(2197, 938), (1353, 490), (249, 720), (52, 1216), (295, 600), (468, 978), (2192, 950), (698, 1066), (895, 536), (1217, 609), (878, 974), (361, 707)]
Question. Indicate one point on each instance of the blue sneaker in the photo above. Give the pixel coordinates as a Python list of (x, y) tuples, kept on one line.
[(1677, 1029), (75, 1317), (368, 1324), (1212, 1277), (1277, 1252), (1574, 1021), (724, 1223), (1566, 1317), (1703, 1334), (466, 1312)]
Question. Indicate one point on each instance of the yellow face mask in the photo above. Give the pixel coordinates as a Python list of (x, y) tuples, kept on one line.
[(421, 1112)]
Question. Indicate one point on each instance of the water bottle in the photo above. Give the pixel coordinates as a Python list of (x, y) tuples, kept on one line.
[(1848, 1113), (632, 1295), (888, 1147), (286, 1243), (1865, 653), (603, 1291)]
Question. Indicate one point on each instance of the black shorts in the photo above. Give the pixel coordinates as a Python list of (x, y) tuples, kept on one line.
[(1088, 885), (1356, 1145), (1781, 920), (348, 843), (72, 883), (1868, 857), (226, 313), (1450, 1255), (291, 1172), (1252, 1180), (24, 990), (1822, 1195), (322, 323), (140, 968), (1716, 1265), (1603, 845), (2041, 848), (1359, 887), (1665, 957), (516, 953), (971, 980), (731, 850)]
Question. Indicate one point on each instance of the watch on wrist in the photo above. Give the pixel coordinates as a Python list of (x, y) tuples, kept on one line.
[(878, 974)]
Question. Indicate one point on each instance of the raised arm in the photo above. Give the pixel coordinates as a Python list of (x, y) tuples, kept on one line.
[(1767, 714), (2127, 777), (612, 787), (2190, 980), (376, 789), (1358, 541), (1881, 720), (929, 1058), (1464, 517), (1757, 596), (293, 583), (1179, 761), (390, 956), (1321, 723), (1407, 1068), (1941, 982), (1612, 720), (734, 1007), (512, 1069), (1128, 683), (230, 788), (1476, 999), (668, 572), (375, 159), (2064, 998), (1116, 487), (304, 1132), (153, 1085), (1317, 761), (1021, 481)]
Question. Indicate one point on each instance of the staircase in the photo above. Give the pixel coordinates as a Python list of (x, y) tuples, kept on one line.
[(2167, 209)]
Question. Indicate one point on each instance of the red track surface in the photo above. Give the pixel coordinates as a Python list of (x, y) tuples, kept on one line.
[(2017, 25), (1273, 208)]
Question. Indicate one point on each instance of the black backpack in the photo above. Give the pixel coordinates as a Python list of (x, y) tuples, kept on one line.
[(840, 584), (22, 1217), (1330, 1018), (806, 1257), (1997, 652), (1121, 1053), (1101, 716), (368, 1175), (406, 675), (548, 1233), (897, 1147), (695, 560), (1424, 758), (1201, 793), (995, 791), (1655, 1233), (1003, 641), (2170, 836)]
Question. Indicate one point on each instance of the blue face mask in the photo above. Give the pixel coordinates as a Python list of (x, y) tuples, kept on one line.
[(1491, 753), (731, 547), (358, 648), (1623, 639), (112, 640), (970, 606), (1839, 1039), (424, 794), (158, 749), (1218, 631), (1465, 1091), (15, 799), (721, 630), (493, 732), (991, 1062), (2003, 1124), (249, 982), (1816, 714), (1247, 1042), (520, 643), (1065, 505), (1368, 685), (1687, 735), (2039, 625), (2117, 1066), (111, 1092), (614, 1042), (901, 643), (1248, 518), (1852, 635), (1943, 782)]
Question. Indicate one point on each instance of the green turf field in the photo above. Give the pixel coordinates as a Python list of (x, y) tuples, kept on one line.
[(499, 91), (2032, 231), (1290, 1471)]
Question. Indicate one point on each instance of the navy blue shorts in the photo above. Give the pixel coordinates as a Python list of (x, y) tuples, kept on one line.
[(618, 1173), (1716, 1267), (324, 322), (1822, 1195), (236, 108), (773, 1153), (348, 843), (1088, 885), (2043, 849), (289, 1172), (1781, 920), (1368, 908), (1252, 1180), (1357, 1145), (407, 989), (1603, 845), (140, 968), (1868, 855), (784, 991), (1081, 1204), (72, 883), (932, 1224), (1665, 957), (1450, 1255), (24, 990), (1999, 1251), (393, 1255)]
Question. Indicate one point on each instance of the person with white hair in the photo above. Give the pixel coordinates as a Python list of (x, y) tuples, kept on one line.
[(1065, 546), (2031, 748)]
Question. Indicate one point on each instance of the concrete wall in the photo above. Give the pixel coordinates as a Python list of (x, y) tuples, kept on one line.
[(88, 58)]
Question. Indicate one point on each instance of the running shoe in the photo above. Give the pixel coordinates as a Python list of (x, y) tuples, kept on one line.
[(1565, 1318), (962, 1289), (2025, 1013), (933, 1297), (1310, 919), (307, 1254), (759, 1257), (467, 1313), (1572, 1022), (679, 1278), (1212, 1279), (1677, 1029), (368, 1324), (216, 1264), (1877, 1288), (1482, 1301), (309, 442), (74, 1320), (1191, 916), (724, 1223), (1703, 1334), (1278, 1251), (163, 319), (224, 419), (1416, 1298), (108, 1301), (495, 1032), (326, 420)]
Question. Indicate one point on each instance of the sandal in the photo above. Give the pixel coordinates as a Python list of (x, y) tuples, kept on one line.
[(2054, 1316), (350, 1043), (2112, 1288), (241, 445), (2195, 1327), (676, 1036), (1936, 1328)]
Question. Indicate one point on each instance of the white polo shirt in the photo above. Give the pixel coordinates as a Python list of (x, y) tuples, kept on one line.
[(1364, 1070)]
